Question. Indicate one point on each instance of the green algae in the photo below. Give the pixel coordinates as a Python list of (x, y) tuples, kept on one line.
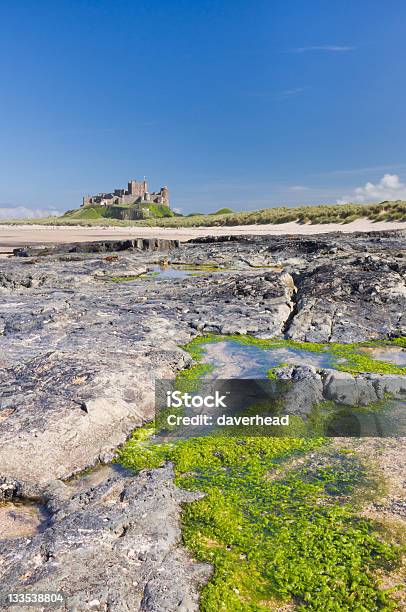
[(123, 279), (198, 267), (271, 537), (279, 521), (188, 379), (398, 342)]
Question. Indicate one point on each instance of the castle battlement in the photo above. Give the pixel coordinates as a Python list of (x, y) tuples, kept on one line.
[(136, 193)]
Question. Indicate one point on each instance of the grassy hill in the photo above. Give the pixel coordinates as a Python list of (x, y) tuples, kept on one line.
[(323, 213), (89, 212), (123, 213)]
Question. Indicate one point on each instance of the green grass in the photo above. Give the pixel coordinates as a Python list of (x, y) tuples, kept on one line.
[(223, 211), (116, 212), (158, 211), (87, 212), (324, 213)]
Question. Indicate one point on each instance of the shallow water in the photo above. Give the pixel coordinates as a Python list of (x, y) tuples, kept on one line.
[(385, 421), (170, 272), (95, 476), (183, 271), (395, 354), (20, 519), (234, 360)]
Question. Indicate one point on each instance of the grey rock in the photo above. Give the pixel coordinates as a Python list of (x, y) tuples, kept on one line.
[(315, 385), (346, 389), (106, 246), (79, 356), (10, 488), (307, 390)]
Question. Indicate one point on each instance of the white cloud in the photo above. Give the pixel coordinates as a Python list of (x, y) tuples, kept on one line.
[(177, 210), (288, 93), (277, 95), (326, 48), (298, 188), (22, 212), (292, 92), (390, 187)]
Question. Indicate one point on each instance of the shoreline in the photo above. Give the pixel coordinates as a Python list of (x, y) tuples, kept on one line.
[(13, 236)]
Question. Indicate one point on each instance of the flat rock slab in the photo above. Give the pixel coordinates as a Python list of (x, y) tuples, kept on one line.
[(79, 356), (106, 246)]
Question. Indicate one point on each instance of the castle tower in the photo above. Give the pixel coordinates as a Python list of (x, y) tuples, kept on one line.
[(165, 195), (131, 187), (137, 189)]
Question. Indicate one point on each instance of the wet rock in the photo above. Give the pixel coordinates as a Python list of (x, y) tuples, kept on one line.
[(73, 409), (314, 385), (79, 357), (346, 389), (387, 384), (107, 246), (307, 390)]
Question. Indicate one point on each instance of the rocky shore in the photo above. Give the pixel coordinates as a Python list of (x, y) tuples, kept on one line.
[(86, 329)]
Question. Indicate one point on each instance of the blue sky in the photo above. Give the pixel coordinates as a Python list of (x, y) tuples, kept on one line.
[(240, 103)]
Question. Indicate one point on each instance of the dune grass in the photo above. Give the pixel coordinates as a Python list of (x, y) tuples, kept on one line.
[(329, 213)]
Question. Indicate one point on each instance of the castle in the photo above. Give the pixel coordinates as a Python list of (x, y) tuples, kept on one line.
[(136, 193)]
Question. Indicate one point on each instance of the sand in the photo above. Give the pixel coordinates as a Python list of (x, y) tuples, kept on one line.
[(12, 236)]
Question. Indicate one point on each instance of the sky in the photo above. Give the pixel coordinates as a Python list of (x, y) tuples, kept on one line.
[(246, 104)]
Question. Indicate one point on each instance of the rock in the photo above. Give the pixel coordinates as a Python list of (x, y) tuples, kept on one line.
[(350, 301), (344, 388), (107, 246), (116, 543), (10, 488), (387, 384), (312, 386), (305, 393), (79, 357)]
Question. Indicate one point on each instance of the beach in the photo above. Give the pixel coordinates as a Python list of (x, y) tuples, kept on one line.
[(13, 236)]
